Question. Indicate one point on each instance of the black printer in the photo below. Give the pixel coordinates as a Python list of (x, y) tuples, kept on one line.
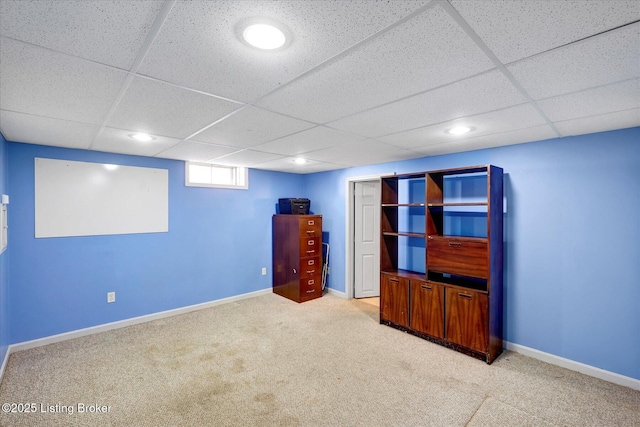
[(294, 206)]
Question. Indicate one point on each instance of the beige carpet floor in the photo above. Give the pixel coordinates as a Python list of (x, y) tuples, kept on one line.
[(267, 361)]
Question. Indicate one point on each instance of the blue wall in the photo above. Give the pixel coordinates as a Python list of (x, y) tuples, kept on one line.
[(572, 276), (4, 264), (572, 233), (218, 241)]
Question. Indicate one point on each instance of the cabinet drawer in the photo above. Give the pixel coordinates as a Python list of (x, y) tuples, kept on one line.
[(311, 287), (464, 257), (310, 247), (310, 227), (310, 267)]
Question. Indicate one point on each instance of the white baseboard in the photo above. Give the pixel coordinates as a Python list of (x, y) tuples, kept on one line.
[(26, 345), (4, 363), (592, 371), (336, 293)]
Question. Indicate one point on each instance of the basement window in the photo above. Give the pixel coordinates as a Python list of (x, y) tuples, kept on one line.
[(216, 176)]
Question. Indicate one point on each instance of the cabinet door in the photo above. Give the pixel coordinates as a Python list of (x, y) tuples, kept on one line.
[(427, 304), (466, 319), (394, 299)]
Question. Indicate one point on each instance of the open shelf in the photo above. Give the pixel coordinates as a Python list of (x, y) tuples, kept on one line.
[(457, 238), (458, 282), (445, 205), (462, 171), (405, 234), (413, 275), (399, 205)]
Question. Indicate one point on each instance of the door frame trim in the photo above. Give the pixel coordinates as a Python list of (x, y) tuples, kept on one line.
[(350, 229)]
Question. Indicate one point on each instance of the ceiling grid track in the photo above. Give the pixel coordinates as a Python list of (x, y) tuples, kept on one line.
[(499, 65), (142, 52), (315, 68), (350, 49), (359, 83)]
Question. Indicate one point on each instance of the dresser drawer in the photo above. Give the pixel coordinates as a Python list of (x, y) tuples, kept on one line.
[(458, 255), (310, 227), (310, 266), (310, 247)]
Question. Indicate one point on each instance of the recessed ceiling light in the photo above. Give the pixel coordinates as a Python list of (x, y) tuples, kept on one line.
[(300, 161), (110, 167), (142, 137), (459, 130), (264, 36)]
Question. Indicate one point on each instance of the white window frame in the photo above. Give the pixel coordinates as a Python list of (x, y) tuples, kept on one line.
[(240, 176)]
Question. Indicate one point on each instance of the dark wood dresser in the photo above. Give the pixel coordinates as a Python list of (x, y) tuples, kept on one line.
[(297, 256)]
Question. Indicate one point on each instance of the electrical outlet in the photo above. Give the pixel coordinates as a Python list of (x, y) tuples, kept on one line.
[(264, 271), (111, 297)]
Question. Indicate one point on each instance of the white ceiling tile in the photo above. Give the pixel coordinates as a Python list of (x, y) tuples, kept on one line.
[(195, 151), (360, 153), (251, 126), (354, 73), (162, 109), (601, 123), (287, 164), (119, 141), (517, 29), (245, 158), (106, 31), (20, 127), (599, 60), (44, 83), (519, 136), (424, 52), (313, 139), (199, 46), (592, 102), (480, 94), (521, 116)]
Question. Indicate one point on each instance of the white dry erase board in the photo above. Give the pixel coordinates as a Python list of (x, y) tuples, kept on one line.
[(88, 199)]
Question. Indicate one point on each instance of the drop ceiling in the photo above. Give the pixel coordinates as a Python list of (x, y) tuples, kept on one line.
[(358, 83)]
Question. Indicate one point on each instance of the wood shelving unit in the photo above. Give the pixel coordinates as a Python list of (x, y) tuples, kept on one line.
[(455, 297)]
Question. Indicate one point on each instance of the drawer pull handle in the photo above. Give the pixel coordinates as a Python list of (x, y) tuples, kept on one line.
[(394, 280), (310, 271), (311, 242), (311, 262), (311, 291), (311, 282), (455, 244), (311, 222), (312, 251), (294, 271), (310, 232), (425, 287), (465, 296)]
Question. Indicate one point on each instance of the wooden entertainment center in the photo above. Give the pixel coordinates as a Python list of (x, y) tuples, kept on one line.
[(441, 259)]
